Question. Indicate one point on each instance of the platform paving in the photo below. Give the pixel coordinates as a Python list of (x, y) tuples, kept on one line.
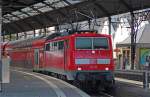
[(129, 88), (29, 84)]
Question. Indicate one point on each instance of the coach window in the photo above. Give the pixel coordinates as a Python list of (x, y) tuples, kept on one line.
[(67, 43), (60, 45), (50, 48), (55, 46), (47, 47)]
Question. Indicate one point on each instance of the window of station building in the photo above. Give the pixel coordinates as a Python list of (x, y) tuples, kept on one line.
[(47, 47)]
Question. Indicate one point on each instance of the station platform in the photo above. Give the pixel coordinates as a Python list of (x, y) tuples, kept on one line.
[(29, 84), (129, 88)]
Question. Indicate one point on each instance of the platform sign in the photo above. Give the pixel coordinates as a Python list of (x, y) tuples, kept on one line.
[(145, 56), (5, 70)]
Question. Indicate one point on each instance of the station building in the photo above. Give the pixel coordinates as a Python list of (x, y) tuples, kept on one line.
[(142, 56)]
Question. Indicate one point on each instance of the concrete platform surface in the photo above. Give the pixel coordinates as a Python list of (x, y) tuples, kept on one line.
[(30, 84)]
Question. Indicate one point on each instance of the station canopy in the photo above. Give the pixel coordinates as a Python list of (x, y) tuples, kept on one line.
[(25, 15)]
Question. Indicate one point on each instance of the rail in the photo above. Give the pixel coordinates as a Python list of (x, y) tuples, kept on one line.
[(140, 75)]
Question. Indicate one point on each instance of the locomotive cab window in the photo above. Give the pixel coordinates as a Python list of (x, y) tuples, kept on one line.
[(100, 43), (91, 43), (83, 43)]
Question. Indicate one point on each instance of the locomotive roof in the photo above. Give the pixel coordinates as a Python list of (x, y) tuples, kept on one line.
[(61, 34), (25, 42)]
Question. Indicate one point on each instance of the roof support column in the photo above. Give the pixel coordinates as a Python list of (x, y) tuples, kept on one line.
[(25, 35), (10, 36), (109, 26), (17, 36), (45, 31), (133, 40), (34, 33), (3, 38), (0, 43)]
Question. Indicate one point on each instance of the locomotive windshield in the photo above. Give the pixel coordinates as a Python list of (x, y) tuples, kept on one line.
[(91, 43)]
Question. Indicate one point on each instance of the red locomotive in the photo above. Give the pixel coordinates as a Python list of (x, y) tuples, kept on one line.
[(82, 56)]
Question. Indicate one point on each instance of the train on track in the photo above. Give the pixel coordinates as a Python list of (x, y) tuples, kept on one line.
[(83, 56)]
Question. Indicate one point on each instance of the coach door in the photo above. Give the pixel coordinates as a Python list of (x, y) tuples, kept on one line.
[(65, 53), (36, 57)]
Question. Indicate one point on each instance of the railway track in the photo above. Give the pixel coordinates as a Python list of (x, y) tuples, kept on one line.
[(102, 94), (92, 94)]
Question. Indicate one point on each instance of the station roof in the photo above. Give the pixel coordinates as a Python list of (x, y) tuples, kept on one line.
[(142, 38), (26, 15)]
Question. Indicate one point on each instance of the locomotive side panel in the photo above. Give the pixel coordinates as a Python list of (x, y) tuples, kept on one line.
[(54, 56), (21, 58)]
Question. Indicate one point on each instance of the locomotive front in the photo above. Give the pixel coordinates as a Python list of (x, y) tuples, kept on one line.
[(93, 59)]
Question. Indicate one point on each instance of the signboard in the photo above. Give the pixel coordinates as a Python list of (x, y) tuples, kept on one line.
[(5, 70), (145, 56)]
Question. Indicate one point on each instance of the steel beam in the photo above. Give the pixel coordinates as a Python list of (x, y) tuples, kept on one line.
[(29, 25), (109, 26), (48, 18), (12, 28), (16, 23), (67, 2), (54, 9), (45, 15), (34, 19), (126, 5), (102, 9)]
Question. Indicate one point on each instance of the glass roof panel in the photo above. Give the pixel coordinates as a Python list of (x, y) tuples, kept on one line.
[(59, 4), (27, 9), (8, 15), (33, 12), (5, 20), (45, 9), (23, 16), (39, 5), (16, 13), (14, 18), (75, 1), (52, 1)]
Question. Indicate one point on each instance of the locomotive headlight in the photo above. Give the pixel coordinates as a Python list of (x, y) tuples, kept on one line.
[(107, 68), (93, 52), (79, 68)]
